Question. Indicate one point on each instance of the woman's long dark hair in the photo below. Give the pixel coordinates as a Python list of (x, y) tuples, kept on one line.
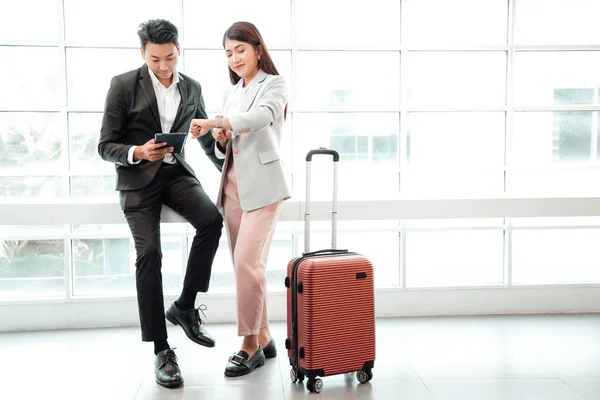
[(248, 33)]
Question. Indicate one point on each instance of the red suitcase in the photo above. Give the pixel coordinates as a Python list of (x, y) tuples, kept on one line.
[(330, 306)]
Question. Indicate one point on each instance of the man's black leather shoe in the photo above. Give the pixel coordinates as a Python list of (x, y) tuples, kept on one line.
[(191, 323), (239, 364), (166, 369)]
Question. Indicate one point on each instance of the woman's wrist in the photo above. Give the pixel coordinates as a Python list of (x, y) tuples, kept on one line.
[(218, 122)]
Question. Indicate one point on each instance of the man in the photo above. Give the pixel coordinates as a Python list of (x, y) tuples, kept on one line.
[(152, 99)]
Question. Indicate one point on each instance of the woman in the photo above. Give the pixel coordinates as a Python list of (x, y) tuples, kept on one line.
[(253, 185)]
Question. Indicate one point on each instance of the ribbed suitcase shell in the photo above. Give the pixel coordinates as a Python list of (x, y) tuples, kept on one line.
[(336, 313)]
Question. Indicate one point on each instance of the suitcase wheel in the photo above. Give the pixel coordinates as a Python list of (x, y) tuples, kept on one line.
[(314, 385), (364, 376), (296, 376)]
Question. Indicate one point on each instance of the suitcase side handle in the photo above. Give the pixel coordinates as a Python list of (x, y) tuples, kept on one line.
[(336, 158)]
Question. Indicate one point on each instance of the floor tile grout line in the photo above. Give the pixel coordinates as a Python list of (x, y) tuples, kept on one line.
[(572, 388), (280, 376), (428, 390), (421, 380), (138, 389)]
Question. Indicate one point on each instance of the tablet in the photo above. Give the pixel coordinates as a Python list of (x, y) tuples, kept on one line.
[(175, 139)]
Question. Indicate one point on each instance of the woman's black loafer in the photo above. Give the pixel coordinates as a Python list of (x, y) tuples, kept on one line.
[(270, 350), (239, 364)]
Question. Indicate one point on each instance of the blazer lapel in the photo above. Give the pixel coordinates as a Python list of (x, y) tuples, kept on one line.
[(183, 91), (253, 90), (148, 89)]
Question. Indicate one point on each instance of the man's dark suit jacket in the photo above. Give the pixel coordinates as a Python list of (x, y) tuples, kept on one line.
[(131, 118)]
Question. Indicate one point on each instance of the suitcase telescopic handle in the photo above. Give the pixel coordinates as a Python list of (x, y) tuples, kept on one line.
[(322, 150), (336, 159)]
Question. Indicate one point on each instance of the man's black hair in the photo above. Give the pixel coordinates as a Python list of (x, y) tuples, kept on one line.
[(158, 31)]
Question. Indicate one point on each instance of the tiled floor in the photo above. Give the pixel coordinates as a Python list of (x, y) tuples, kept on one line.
[(462, 358)]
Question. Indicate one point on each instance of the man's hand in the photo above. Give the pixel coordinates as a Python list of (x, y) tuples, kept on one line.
[(150, 151), (222, 137), (200, 127)]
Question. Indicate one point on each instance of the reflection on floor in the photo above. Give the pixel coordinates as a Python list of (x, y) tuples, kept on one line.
[(448, 358)]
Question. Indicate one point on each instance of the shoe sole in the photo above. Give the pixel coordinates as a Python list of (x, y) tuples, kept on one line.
[(172, 320), (170, 385), (236, 374)]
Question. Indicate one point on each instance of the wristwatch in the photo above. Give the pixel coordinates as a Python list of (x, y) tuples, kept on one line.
[(219, 121)]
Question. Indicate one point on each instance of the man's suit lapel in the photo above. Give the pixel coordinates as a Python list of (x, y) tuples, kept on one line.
[(183, 91), (148, 89)]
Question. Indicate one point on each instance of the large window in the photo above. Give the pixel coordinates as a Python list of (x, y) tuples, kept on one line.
[(421, 98)]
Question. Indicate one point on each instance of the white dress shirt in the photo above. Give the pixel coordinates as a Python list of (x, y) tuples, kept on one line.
[(234, 104), (168, 100)]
